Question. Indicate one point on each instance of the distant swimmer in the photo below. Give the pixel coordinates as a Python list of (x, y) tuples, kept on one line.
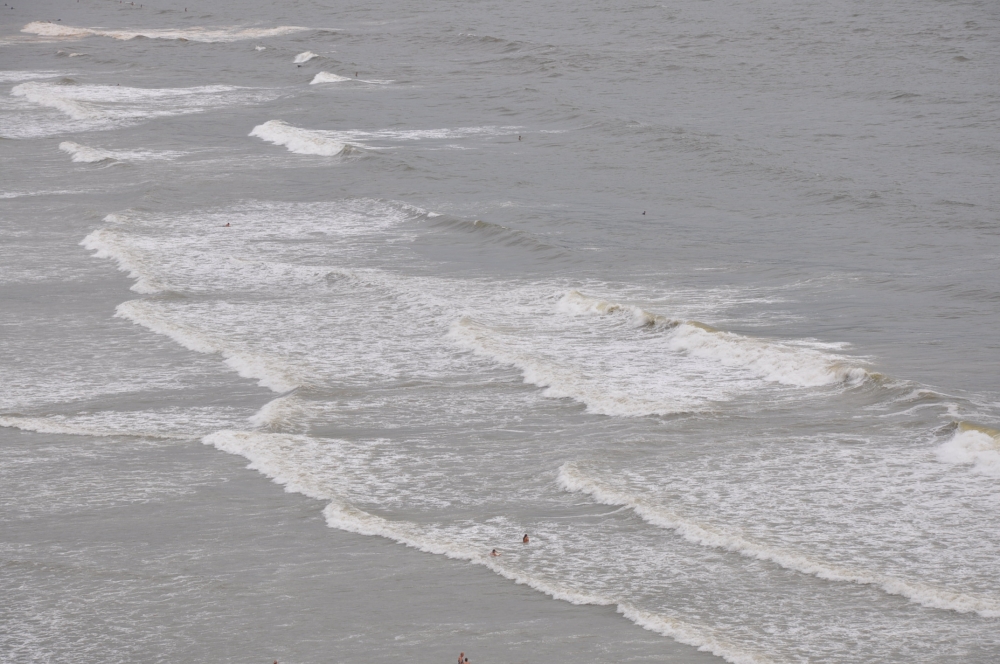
[(494, 553), (518, 137), (355, 74), (644, 213), (461, 657), (525, 540), (227, 225)]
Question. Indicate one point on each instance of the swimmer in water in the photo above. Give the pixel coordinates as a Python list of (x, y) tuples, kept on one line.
[(525, 540), (494, 553), (461, 657)]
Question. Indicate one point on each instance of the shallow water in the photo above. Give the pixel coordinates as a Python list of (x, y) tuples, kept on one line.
[(702, 297)]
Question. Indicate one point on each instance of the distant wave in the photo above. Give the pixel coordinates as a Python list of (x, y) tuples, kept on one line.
[(196, 34), (771, 360), (88, 155), (305, 56), (572, 479), (299, 141), (973, 444), (274, 455)]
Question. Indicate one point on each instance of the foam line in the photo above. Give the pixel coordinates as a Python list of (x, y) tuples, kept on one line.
[(573, 480)]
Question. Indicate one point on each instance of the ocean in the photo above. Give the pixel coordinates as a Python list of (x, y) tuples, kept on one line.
[(308, 307)]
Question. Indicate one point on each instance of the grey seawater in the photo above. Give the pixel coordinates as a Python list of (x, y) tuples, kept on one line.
[(703, 296)]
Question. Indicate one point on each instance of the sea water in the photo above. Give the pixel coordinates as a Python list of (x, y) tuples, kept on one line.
[(308, 308)]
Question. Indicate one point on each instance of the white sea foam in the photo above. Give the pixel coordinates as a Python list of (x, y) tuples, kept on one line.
[(108, 106), (975, 445), (305, 56), (327, 77), (774, 361), (90, 155), (572, 479), (299, 141), (17, 76), (561, 380), (275, 456), (197, 34), (275, 373)]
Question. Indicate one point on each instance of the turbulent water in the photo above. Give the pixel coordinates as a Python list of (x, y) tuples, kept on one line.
[(702, 296)]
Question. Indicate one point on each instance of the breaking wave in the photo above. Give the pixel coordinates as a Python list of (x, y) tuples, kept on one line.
[(107, 106), (272, 372), (327, 77), (559, 380), (573, 480), (305, 56), (973, 444), (186, 34), (89, 155), (771, 360), (299, 141)]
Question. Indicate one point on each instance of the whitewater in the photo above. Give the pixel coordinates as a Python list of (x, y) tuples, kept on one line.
[(308, 311)]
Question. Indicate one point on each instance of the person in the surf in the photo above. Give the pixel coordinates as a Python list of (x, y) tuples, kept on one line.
[(525, 540)]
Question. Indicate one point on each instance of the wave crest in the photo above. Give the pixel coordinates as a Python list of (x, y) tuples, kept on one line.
[(299, 141)]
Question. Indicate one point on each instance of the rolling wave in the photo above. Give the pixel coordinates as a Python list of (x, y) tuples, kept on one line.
[(573, 480), (299, 141), (973, 444), (773, 361), (89, 155)]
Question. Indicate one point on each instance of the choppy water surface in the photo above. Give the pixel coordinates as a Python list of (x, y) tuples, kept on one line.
[(702, 296)]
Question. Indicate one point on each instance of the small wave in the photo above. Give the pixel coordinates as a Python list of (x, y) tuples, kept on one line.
[(299, 141), (327, 77), (88, 155), (573, 480), (271, 372), (105, 106), (559, 380), (196, 34), (63, 426), (17, 76), (305, 56), (973, 444), (771, 360), (274, 456)]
